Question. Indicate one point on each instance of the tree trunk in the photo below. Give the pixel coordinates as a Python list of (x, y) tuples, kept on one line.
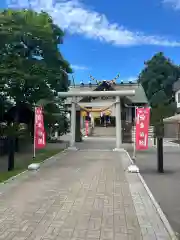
[(17, 144), (160, 166), (10, 153)]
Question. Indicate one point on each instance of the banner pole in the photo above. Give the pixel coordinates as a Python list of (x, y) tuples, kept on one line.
[(34, 149), (133, 168)]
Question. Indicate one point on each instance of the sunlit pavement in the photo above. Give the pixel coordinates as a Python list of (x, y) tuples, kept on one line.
[(165, 187), (80, 195)]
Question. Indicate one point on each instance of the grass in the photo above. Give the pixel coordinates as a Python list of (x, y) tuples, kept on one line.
[(40, 157), (6, 175), (44, 154)]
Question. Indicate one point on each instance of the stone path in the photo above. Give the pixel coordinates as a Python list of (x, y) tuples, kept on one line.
[(104, 132), (79, 196)]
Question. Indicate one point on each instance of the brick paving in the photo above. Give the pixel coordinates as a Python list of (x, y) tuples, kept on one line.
[(79, 196), (104, 131)]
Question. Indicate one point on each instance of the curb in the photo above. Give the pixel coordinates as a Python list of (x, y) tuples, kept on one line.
[(22, 173), (156, 205), (172, 144)]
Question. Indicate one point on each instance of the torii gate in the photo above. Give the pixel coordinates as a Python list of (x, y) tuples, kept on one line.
[(117, 94)]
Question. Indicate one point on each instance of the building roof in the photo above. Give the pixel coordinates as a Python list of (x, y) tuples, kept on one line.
[(176, 86), (139, 97), (172, 119)]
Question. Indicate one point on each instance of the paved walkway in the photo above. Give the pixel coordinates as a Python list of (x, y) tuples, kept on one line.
[(104, 131), (79, 196)]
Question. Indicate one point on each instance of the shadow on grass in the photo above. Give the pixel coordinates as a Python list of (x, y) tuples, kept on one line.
[(21, 166)]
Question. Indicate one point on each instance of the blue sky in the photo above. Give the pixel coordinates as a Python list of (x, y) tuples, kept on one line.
[(104, 38)]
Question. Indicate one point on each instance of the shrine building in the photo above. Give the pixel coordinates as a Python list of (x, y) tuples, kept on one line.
[(101, 109)]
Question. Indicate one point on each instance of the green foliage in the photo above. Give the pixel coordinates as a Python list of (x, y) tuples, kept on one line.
[(54, 113), (157, 79), (4, 105), (30, 62)]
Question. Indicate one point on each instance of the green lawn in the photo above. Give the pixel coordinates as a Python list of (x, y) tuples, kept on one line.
[(40, 157)]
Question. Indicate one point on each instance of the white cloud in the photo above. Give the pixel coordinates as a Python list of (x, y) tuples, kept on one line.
[(173, 3), (73, 16), (79, 67)]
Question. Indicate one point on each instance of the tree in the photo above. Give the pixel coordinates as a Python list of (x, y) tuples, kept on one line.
[(157, 79), (30, 60), (30, 63), (55, 114)]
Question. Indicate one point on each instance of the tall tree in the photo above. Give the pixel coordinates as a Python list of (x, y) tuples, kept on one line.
[(30, 63), (157, 79), (30, 59)]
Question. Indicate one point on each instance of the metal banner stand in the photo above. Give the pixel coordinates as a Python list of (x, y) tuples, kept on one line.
[(133, 168)]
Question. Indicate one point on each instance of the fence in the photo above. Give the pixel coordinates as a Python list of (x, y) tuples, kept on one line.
[(171, 131)]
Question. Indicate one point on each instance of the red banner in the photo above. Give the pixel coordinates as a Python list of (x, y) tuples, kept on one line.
[(87, 127), (142, 127), (39, 131)]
